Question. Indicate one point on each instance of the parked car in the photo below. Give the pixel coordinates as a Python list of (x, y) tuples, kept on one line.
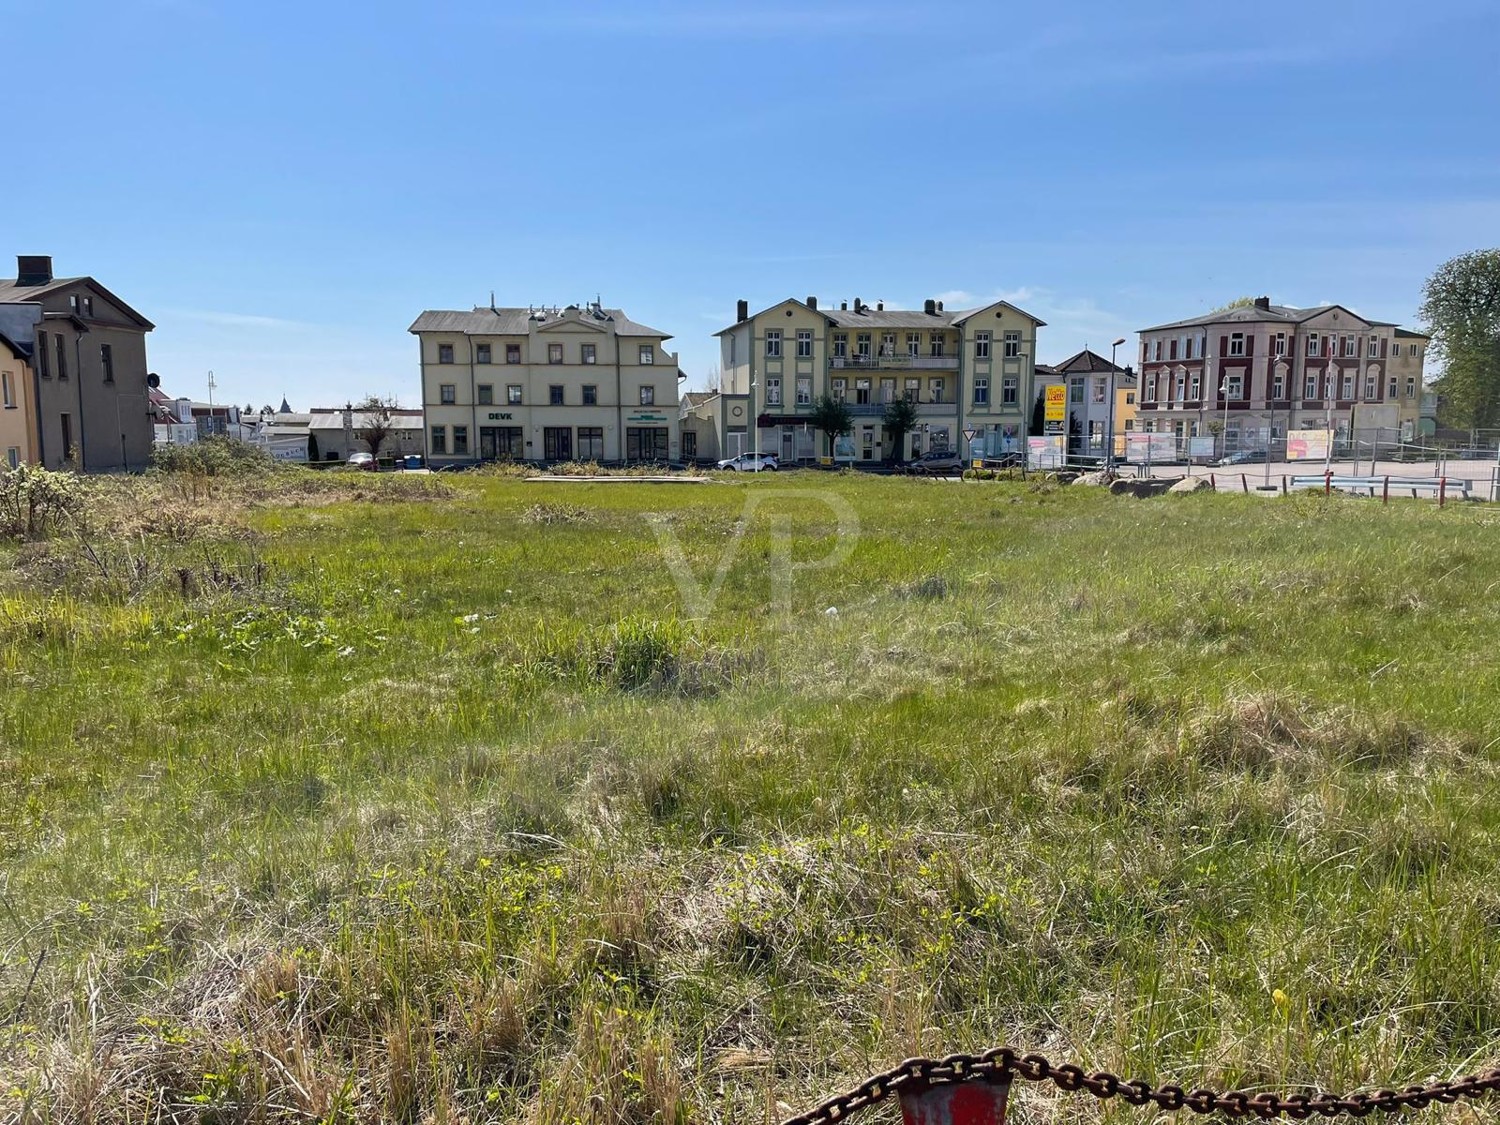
[(750, 463), (1243, 457), (362, 461), (410, 461), (937, 461)]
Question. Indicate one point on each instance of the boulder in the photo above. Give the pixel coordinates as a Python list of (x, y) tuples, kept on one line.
[(1192, 484), (1097, 479)]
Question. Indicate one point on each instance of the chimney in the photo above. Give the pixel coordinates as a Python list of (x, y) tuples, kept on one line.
[(1263, 302), (929, 306), (880, 306), (859, 306), (812, 303), (741, 311), (843, 306), (940, 306), (33, 269)]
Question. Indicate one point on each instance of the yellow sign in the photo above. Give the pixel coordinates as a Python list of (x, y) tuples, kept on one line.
[(1057, 404)]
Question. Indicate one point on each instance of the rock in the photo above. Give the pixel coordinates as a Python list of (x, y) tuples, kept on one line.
[(1097, 479), (1192, 484)]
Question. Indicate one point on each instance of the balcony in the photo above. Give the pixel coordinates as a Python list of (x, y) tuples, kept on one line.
[(894, 362), (926, 406)]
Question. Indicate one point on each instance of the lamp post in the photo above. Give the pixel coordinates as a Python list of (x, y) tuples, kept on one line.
[(754, 429), (1109, 436), (1224, 437)]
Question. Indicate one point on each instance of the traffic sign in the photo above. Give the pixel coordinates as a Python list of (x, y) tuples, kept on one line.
[(969, 432)]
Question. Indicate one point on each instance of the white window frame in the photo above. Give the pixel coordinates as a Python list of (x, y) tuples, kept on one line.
[(841, 345), (981, 345), (1374, 352), (887, 345), (1278, 385), (1010, 390), (1346, 385), (1011, 343), (590, 353), (513, 394), (7, 399), (804, 390), (804, 343), (648, 394), (939, 389), (1195, 387), (863, 342), (1313, 345), (773, 343), (1236, 344), (555, 354), (839, 389), (1350, 346), (447, 394), (862, 388), (1279, 348), (1310, 386), (913, 344), (936, 342), (647, 355), (773, 390), (1234, 386), (981, 390)]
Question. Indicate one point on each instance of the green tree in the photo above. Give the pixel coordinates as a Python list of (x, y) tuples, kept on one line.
[(1461, 305), (832, 416), (1237, 303), (1039, 414), (900, 419)]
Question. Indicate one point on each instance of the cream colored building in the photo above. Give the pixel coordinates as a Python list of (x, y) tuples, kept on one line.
[(582, 383), (1404, 380), (18, 418), (970, 370)]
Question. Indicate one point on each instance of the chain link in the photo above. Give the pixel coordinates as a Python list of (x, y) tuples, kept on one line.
[(1001, 1064)]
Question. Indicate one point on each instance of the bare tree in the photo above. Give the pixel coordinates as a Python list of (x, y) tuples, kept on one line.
[(372, 421)]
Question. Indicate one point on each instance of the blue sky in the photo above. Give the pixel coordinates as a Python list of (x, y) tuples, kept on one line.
[(283, 187)]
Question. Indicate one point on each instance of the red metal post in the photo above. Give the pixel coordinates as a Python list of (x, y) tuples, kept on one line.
[(1327, 483), (963, 1103), (1442, 491)]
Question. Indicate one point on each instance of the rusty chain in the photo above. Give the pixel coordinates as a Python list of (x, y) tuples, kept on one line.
[(1000, 1064)]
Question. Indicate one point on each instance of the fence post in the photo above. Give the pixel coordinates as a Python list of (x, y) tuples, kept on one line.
[(1442, 491), (1327, 482), (1385, 492), (1244, 484), (1283, 484), (1212, 483), (955, 1103)]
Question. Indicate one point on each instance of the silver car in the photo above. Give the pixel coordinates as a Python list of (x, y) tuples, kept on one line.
[(750, 463)]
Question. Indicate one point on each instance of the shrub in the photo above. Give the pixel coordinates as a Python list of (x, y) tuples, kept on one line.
[(214, 457), (36, 502)]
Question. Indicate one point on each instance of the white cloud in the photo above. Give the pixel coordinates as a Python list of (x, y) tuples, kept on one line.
[(234, 319)]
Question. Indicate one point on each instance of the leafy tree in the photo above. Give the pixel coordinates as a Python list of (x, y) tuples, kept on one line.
[(1039, 414), (1237, 303), (372, 421), (832, 416), (900, 419), (1461, 304)]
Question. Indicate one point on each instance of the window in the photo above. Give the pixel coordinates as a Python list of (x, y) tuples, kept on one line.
[(1350, 346), (1391, 388), (1013, 345), (41, 350), (862, 391), (555, 394), (1075, 391), (445, 353), (1129, 398), (773, 390), (1097, 390), (512, 353), (554, 353), (1180, 380), (840, 389), (938, 388), (645, 443), (1236, 385), (689, 443), (1312, 343), (557, 443), (460, 441), (73, 303), (88, 306), (513, 394), (1197, 387), (7, 399), (1236, 343), (804, 343), (1328, 387), (590, 355), (447, 394), (913, 344), (648, 394), (590, 398), (62, 356), (888, 345), (937, 340), (107, 361), (13, 457), (804, 390), (981, 391), (1310, 386), (773, 343), (1346, 386), (887, 390), (1149, 393), (482, 353), (981, 345), (1010, 390), (1411, 385), (862, 346), (591, 443), (1278, 386), (1156, 350), (840, 345), (1371, 386), (486, 394), (440, 441), (1280, 348), (1374, 351)]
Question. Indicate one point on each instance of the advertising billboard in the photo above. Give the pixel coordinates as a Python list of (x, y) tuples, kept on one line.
[(1143, 449), (1307, 445), (1045, 452), (1057, 404)]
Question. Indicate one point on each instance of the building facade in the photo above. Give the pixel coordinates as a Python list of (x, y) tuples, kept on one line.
[(1251, 373), (18, 416), (89, 367), (583, 383), (1091, 380), (970, 370)]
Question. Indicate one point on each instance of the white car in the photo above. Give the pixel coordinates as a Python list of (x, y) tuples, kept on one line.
[(749, 463)]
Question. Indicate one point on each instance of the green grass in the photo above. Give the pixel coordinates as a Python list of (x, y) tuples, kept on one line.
[(351, 800)]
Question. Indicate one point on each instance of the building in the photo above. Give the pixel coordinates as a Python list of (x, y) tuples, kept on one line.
[(1090, 380), (18, 416), (333, 434), (970, 370), (89, 371), (698, 420), (1255, 371), (1406, 382), (583, 383)]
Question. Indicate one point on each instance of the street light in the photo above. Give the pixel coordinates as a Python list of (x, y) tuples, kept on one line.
[(1224, 437), (1109, 437)]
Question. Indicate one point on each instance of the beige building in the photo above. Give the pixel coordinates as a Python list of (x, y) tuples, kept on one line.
[(18, 418), (970, 370), (546, 384), (1258, 370), (89, 366)]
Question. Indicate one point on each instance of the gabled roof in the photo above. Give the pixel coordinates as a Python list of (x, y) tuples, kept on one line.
[(1262, 314), (961, 317), (1087, 362), (10, 291), (869, 316), (486, 321)]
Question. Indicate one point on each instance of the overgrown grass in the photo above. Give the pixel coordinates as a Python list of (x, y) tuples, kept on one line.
[(453, 811)]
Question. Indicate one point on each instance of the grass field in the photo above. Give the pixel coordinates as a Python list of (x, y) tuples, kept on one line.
[(336, 800)]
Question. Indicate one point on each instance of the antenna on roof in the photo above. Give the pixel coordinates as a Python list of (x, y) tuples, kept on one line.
[(492, 300)]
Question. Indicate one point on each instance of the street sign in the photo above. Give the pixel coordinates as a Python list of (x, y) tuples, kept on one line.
[(969, 432)]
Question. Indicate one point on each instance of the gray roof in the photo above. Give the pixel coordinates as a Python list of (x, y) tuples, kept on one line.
[(10, 291), (1274, 314), (1087, 362), (869, 316), (334, 420), (485, 321), (1408, 334)]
